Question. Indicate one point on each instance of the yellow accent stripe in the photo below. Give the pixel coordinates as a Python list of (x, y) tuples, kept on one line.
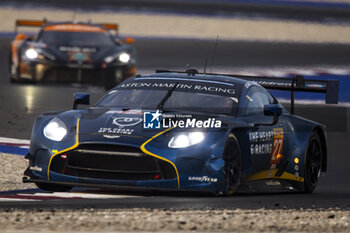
[(62, 151), (157, 156), (264, 175)]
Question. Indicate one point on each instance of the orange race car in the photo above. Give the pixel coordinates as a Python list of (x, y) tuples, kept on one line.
[(71, 52)]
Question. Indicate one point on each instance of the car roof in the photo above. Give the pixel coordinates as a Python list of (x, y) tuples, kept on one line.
[(202, 77)]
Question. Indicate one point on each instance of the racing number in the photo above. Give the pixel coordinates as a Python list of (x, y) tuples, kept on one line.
[(277, 146)]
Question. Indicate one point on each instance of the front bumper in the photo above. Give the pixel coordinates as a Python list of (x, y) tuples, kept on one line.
[(82, 175)]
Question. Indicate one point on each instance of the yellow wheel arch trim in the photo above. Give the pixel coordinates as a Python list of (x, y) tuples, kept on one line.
[(159, 157), (62, 151)]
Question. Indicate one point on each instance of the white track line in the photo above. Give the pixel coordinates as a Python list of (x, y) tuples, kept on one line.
[(77, 195), (15, 199), (14, 140)]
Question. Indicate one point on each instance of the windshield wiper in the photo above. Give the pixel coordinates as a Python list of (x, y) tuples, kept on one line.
[(166, 97)]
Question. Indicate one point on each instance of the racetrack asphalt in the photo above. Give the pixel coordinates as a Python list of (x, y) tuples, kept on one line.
[(22, 103)]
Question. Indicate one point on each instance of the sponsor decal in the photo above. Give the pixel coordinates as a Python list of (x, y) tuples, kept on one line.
[(129, 111), (203, 179), (181, 86), (79, 56), (116, 131), (267, 142), (77, 49), (192, 123), (36, 168), (151, 120), (261, 142), (155, 120), (122, 124), (271, 83), (126, 121)]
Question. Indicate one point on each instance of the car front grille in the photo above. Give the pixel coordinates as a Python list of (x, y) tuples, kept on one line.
[(116, 162), (64, 74)]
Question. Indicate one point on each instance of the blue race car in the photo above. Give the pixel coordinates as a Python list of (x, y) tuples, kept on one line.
[(183, 131)]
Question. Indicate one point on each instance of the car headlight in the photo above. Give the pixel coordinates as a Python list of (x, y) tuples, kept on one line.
[(55, 130), (121, 57), (38, 54), (124, 57), (31, 53), (183, 140), (109, 59)]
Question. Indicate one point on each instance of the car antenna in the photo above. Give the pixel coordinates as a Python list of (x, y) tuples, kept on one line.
[(188, 67), (213, 57), (205, 66), (73, 17)]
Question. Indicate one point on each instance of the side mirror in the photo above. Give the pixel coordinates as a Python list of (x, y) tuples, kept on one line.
[(81, 98), (21, 37), (272, 110), (129, 40)]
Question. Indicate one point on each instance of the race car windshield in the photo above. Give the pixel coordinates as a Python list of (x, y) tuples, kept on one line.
[(178, 101), (76, 38)]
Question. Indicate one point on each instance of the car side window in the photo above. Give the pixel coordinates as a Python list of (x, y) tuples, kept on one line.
[(254, 101)]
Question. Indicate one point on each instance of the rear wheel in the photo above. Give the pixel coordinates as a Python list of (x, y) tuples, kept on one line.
[(13, 76), (10, 68), (313, 163), (232, 167), (53, 187)]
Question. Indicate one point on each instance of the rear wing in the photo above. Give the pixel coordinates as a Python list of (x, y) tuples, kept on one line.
[(39, 23), (29, 23), (110, 26), (298, 83)]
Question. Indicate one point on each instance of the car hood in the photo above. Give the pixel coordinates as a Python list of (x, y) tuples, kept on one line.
[(112, 126), (125, 126)]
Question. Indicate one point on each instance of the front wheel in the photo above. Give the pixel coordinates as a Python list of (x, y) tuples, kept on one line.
[(53, 187), (313, 163), (232, 167)]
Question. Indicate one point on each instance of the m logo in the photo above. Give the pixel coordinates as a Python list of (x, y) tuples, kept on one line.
[(151, 120)]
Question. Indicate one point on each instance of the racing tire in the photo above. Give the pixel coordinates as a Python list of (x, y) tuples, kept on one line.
[(313, 163), (12, 80), (53, 187), (16, 78), (233, 162)]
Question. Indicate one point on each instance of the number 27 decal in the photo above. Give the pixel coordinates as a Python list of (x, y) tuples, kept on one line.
[(277, 146)]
